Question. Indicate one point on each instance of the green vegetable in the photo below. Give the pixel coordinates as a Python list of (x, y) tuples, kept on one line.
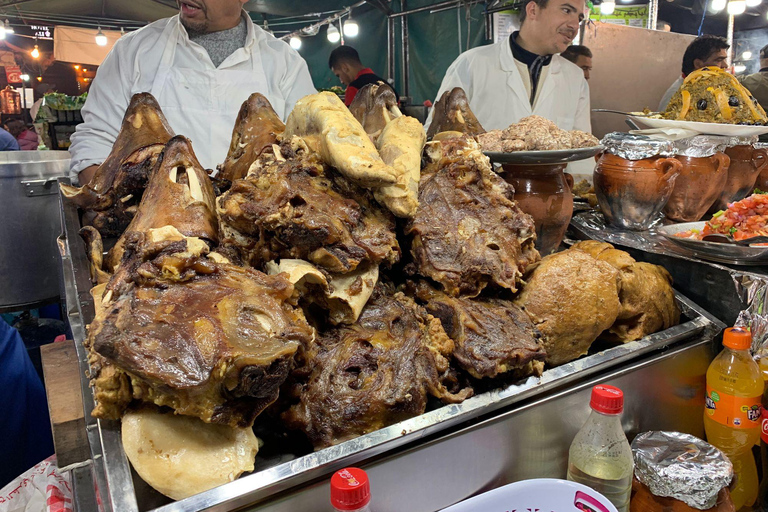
[(718, 214), (758, 191), (732, 230)]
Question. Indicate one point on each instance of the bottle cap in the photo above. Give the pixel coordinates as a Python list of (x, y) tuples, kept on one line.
[(737, 338), (607, 399), (350, 489)]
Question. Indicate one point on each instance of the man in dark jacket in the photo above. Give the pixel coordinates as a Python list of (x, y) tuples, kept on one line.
[(345, 64), (757, 83)]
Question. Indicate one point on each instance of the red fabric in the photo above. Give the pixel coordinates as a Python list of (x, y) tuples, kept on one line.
[(351, 92), (27, 140)]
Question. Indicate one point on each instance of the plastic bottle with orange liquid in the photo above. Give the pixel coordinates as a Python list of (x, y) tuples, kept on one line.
[(732, 411)]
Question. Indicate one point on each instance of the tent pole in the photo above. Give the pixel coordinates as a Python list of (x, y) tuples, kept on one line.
[(391, 49), (406, 61), (730, 39)]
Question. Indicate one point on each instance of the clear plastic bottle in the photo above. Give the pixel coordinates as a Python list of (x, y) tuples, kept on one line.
[(600, 456), (350, 491), (732, 411)]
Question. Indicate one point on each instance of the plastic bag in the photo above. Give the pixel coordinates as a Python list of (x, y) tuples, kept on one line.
[(40, 489)]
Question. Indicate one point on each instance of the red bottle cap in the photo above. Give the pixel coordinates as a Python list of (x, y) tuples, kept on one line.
[(737, 338), (607, 399), (350, 489)]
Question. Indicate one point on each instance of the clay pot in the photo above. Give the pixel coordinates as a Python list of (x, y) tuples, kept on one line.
[(544, 193), (762, 180), (746, 165), (631, 193), (699, 185)]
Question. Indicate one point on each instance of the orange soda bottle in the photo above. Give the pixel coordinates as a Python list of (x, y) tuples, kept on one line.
[(732, 411)]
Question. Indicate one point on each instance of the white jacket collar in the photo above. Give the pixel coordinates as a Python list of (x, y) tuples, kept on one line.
[(507, 60)]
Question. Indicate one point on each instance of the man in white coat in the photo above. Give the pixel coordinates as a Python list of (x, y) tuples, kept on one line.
[(200, 65), (523, 75)]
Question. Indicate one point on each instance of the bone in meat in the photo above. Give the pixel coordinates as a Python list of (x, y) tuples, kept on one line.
[(452, 114)]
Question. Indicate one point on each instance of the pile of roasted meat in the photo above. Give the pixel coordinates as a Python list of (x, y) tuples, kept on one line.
[(337, 273)]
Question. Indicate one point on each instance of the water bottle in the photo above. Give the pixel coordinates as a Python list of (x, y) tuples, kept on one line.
[(350, 491), (600, 456)]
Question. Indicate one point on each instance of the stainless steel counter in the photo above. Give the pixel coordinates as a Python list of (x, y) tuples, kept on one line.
[(440, 457)]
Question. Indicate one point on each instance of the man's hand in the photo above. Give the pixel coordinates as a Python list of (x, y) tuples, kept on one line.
[(86, 175)]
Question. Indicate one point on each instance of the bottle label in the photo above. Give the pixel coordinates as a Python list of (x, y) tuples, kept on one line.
[(733, 411), (764, 426)]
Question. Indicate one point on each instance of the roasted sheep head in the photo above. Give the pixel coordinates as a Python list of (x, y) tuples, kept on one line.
[(110, 199), (452, 114), (647, 299), (375, 105), (179, 194), (468, 232), (374, 373), (571, 298), (293, 206), (183, 328), (329, 129), (257, 126), (492, 336)]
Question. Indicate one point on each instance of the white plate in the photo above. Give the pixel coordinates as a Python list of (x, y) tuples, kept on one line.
[(729, 130), (714, 251)]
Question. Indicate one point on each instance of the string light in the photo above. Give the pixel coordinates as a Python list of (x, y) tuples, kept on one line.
[(736, 7), (101, 39), (35, 53), (333, 33), (295, 42), (25, 77), (754, 3), (739, 68), (746, 55), (607, 7), (39, 79), (77, 66)]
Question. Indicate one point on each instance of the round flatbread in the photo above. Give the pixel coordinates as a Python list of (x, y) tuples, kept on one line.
[(181, 455)]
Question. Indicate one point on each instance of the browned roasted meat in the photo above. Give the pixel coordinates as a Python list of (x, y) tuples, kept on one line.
[(571, 298), (492, 336), (452, 114), (375, 105), (648, 301), (468, 232), (179, 194), (257, 126), (292, 206), (374, 373), (181, 328), (110, 199)]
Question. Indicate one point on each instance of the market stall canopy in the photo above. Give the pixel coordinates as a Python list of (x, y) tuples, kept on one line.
[(75, 44)]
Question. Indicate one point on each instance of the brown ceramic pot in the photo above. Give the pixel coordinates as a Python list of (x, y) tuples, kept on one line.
[(699, 185), (544, 193), (746, 165), (631, 193), (762, 180)]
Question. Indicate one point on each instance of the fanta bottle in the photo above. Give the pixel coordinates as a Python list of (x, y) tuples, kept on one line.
[(732, 411)]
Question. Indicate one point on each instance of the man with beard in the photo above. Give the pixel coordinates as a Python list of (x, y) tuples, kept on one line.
[(200, 65), (523, 75)]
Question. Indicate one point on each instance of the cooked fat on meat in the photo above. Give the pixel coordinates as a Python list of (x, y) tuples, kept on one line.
[(374, 373), (331, 131), (257, 127), (400, 146), (293, 206), (571, 298), (648, 301), (109, 200), (452, 114), (491, 336), (468, 232), (180, 327)]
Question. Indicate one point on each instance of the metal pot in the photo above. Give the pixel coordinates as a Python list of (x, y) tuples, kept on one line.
[(30, 223)]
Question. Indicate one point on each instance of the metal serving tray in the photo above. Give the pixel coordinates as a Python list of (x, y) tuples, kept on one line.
[(119, 492), (719, 252)]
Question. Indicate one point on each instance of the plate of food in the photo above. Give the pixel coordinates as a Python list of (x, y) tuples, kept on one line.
[(711, 101), (742, 220), (537, 140)]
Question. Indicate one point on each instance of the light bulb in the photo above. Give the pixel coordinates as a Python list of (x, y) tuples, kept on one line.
[(101, 39), (295, 42), (25, 77), (739, 68), (39, 79), (77, 66), (333, 33), (754, 3), (718, 5), (351, 29), (35, 53), (607, 8), (2, 32), (8, 27), (746, 55), (736, 7)]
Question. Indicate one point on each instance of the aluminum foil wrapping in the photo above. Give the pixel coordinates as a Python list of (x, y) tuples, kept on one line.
[(743, 141), (702, 146), (636, 147), (753, 290), (681, 466)]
